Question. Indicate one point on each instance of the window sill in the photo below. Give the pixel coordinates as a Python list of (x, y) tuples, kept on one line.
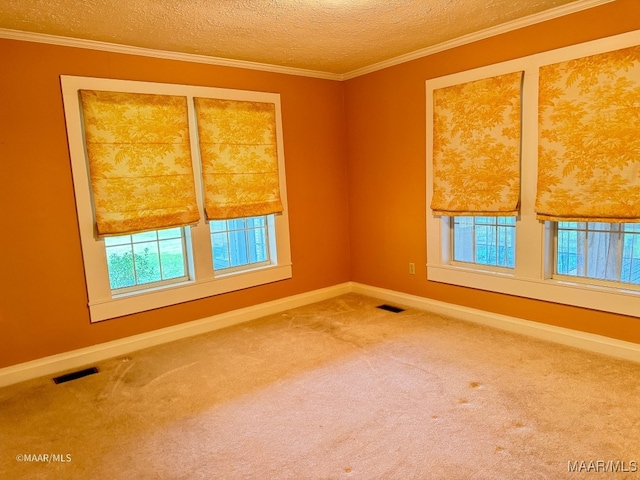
[(128, 304), (607, 299)]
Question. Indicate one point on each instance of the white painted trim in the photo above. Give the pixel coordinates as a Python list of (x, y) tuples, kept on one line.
[(163, 54), (481, 35), (103, 304), (531, 277), (565, 336), (85, 356), (550, 14)]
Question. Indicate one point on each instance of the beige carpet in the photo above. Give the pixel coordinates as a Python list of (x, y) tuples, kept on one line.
[(335, 390)]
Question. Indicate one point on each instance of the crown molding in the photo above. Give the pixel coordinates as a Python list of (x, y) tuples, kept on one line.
[(550, 14), (163, 54), (481, 35)]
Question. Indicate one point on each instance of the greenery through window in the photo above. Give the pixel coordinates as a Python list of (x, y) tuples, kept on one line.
[(154, 257)]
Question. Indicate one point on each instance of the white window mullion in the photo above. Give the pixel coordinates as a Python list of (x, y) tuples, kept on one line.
[(620, 248), (474, 243), (532, 239), (585, 253), (199, 281), (534, 274), (200, 235)]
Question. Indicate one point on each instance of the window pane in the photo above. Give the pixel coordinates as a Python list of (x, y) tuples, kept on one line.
[(239, 242), (147, 262), (571, 243), (144, 236), (484, 240), (257, 245), (217, 225), (171, 258), (170, 233), (599, 250), (142, 259), (602, 252), (253, 222), (463, 239), (120, 264), (238, 247), (630, 269), (506, 243), (119, 240), (220, 245), (485, 245), (236, 223)]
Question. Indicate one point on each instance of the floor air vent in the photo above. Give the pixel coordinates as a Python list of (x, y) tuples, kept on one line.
[(75, 375), (390, 308)]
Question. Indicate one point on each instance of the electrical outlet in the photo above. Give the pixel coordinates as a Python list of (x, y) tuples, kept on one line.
[(412, 269)]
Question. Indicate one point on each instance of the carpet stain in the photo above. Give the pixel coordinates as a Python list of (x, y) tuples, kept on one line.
[(302, 403), (170, 372)]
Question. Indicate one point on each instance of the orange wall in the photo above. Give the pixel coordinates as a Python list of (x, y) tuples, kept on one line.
[(43, 300), (355, 159), (386, 128)]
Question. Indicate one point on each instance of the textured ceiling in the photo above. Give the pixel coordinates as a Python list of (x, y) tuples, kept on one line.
[(335, 36)]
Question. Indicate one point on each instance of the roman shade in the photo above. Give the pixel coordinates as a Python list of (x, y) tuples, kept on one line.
[(239, 156), (589, 139), (139, 161), (476, 147)]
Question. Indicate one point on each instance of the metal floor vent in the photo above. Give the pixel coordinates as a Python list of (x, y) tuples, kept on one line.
[(390, 308), (75, 375)]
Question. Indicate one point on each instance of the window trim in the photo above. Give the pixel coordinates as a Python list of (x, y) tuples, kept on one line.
[(533, 273), (203, 282)]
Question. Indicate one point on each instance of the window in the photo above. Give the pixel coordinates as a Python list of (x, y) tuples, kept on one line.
[(484, 240), (240, 242), (208, 251), (597, 250), (148, 259), (590, 264)]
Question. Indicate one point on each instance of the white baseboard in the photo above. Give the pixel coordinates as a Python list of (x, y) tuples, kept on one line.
[(564, 336), (89, 355)]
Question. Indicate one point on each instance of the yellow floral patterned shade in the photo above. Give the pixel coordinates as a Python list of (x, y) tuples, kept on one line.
[(589, 139), (476, 147), (239, 158), (139, 161)]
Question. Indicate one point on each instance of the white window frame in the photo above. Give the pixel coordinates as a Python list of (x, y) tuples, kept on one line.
[(532, 276), (203, 281)]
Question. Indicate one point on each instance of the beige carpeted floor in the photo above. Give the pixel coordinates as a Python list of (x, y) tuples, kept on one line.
[(335, 390)]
